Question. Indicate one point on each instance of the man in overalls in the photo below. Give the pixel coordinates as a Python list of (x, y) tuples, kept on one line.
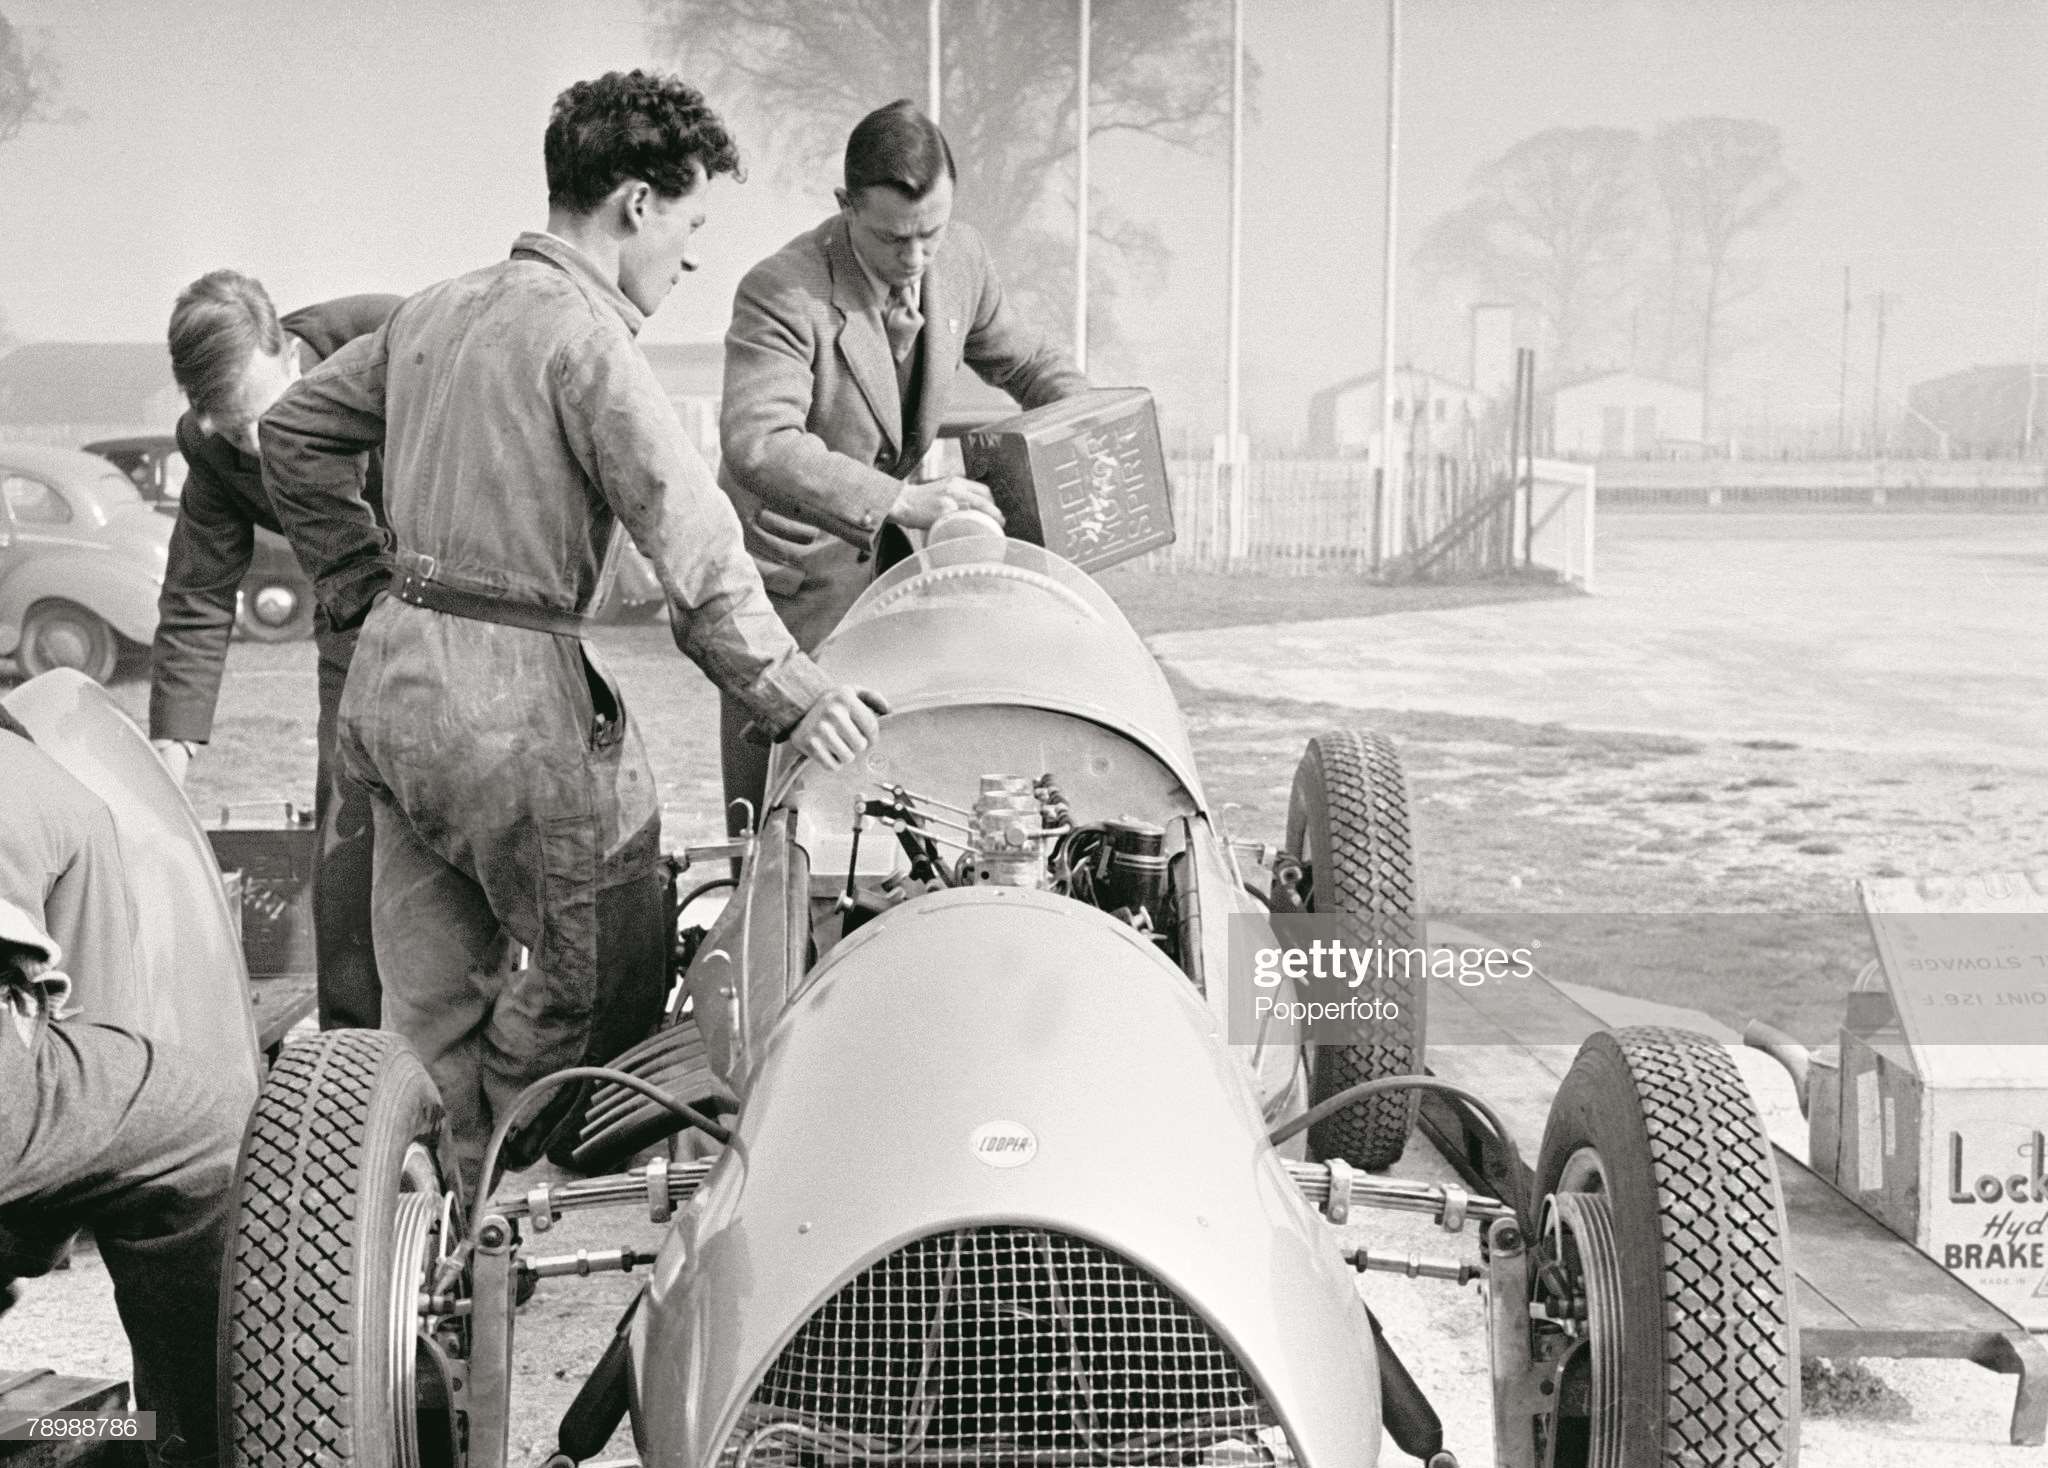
[(511, 795)]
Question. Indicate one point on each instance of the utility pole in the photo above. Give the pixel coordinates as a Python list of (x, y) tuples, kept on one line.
[(2033, 368), (1877, 387), (1080, 197), (1391, 509), (1842, 404), (934, 91)]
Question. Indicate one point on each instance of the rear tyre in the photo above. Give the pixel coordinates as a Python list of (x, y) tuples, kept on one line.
[(63, 634), (1348, 818), (340, 1214), (1664, 1263), (620, 1122)]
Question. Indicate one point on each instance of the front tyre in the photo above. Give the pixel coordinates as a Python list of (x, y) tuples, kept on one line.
[(340, 1214), (1664, 1283), (1348, 818)]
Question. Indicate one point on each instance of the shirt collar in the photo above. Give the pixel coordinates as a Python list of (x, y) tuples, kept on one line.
[(879, 286), (582, 269)]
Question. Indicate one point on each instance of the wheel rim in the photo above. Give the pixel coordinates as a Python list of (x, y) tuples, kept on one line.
[(65, 644), (1581, 1251), (1583, 1172), (419, 1226), (275, 606)]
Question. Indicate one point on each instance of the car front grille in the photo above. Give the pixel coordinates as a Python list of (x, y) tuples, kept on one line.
[(1005, 1346)]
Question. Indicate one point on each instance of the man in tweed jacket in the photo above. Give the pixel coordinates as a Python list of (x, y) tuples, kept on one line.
[(842, 349)]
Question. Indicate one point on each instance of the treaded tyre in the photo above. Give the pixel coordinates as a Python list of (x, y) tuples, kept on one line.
[(1348, 817), (339, 1209), (1664, 1261), (620, 1122)]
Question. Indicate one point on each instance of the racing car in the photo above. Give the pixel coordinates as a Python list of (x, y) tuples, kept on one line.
[(963, 1153)]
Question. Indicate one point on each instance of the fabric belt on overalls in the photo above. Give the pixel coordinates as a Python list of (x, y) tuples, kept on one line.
[(420, 583)]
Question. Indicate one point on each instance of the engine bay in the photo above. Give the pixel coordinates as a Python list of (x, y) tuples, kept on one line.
[(1020, 832)]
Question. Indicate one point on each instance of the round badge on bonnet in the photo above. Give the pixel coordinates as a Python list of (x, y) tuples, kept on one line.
[(1003, 1144)]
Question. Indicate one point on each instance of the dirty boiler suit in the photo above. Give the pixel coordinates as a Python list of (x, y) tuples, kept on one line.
[(511, 796)]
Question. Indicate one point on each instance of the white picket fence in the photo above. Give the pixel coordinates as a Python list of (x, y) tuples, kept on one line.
[(1316, 516), (1299, 516)]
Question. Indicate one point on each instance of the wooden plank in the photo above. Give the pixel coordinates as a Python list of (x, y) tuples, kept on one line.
[(1817, 1313), (280, 1001), (37, 1393), (1869, 1273)]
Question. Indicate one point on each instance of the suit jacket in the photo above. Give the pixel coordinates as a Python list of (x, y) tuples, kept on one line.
[(813, 434), (215, 536)]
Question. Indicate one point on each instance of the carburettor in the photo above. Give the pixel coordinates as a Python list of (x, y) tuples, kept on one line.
[(1008, 827)]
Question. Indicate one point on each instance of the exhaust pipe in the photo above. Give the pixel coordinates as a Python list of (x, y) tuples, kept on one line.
[(1788, 1052)]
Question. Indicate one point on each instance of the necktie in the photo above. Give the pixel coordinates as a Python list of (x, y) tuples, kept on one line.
[(903, 321)]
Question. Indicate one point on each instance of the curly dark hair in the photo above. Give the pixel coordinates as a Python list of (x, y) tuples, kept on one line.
[(632, 124)]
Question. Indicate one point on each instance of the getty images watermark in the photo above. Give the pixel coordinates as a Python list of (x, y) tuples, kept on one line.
[(1349, 981), (1930, 979)]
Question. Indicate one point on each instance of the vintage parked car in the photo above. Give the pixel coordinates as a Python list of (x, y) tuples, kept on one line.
[(81, 561), (276, 598), (995, 1177)]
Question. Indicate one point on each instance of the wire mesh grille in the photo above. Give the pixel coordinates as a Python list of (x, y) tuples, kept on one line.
[(1005, 1346)]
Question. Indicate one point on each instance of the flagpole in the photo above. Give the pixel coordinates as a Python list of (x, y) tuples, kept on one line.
[(1081, 196), (1391, 508), (1230, 478)]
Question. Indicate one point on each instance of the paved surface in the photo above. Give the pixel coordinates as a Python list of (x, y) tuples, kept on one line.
[(1909, 634)]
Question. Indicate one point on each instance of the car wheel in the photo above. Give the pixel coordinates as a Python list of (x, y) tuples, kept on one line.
[(62, 634), (274, 611), (1663, 1283), (1348, 818), (341, 1211)]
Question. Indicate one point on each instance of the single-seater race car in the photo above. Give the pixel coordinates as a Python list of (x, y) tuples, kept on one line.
[(985, 1171)]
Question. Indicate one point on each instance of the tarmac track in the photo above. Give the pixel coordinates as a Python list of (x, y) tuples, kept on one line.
[(1921, 634)]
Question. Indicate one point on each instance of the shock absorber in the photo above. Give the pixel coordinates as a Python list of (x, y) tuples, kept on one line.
[(1132, 874)]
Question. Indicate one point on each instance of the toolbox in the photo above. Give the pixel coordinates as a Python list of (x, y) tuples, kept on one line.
[(1936, 1122), (265, 852)]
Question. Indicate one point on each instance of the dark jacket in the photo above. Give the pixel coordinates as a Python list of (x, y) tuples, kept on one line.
[(222, 504)]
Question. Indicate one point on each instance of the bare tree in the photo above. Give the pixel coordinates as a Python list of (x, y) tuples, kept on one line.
[(28, 84), (1720, 179), (804, 73), (28, 94), (1552, 225)]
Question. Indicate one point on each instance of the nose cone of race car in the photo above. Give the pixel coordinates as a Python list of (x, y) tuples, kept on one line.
[(999, 1134)]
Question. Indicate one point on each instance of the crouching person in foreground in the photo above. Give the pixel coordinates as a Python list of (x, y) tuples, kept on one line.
[(510, 793), (101, 1127)]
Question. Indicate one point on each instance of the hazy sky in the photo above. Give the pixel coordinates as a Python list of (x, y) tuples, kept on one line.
[(372, 145)]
